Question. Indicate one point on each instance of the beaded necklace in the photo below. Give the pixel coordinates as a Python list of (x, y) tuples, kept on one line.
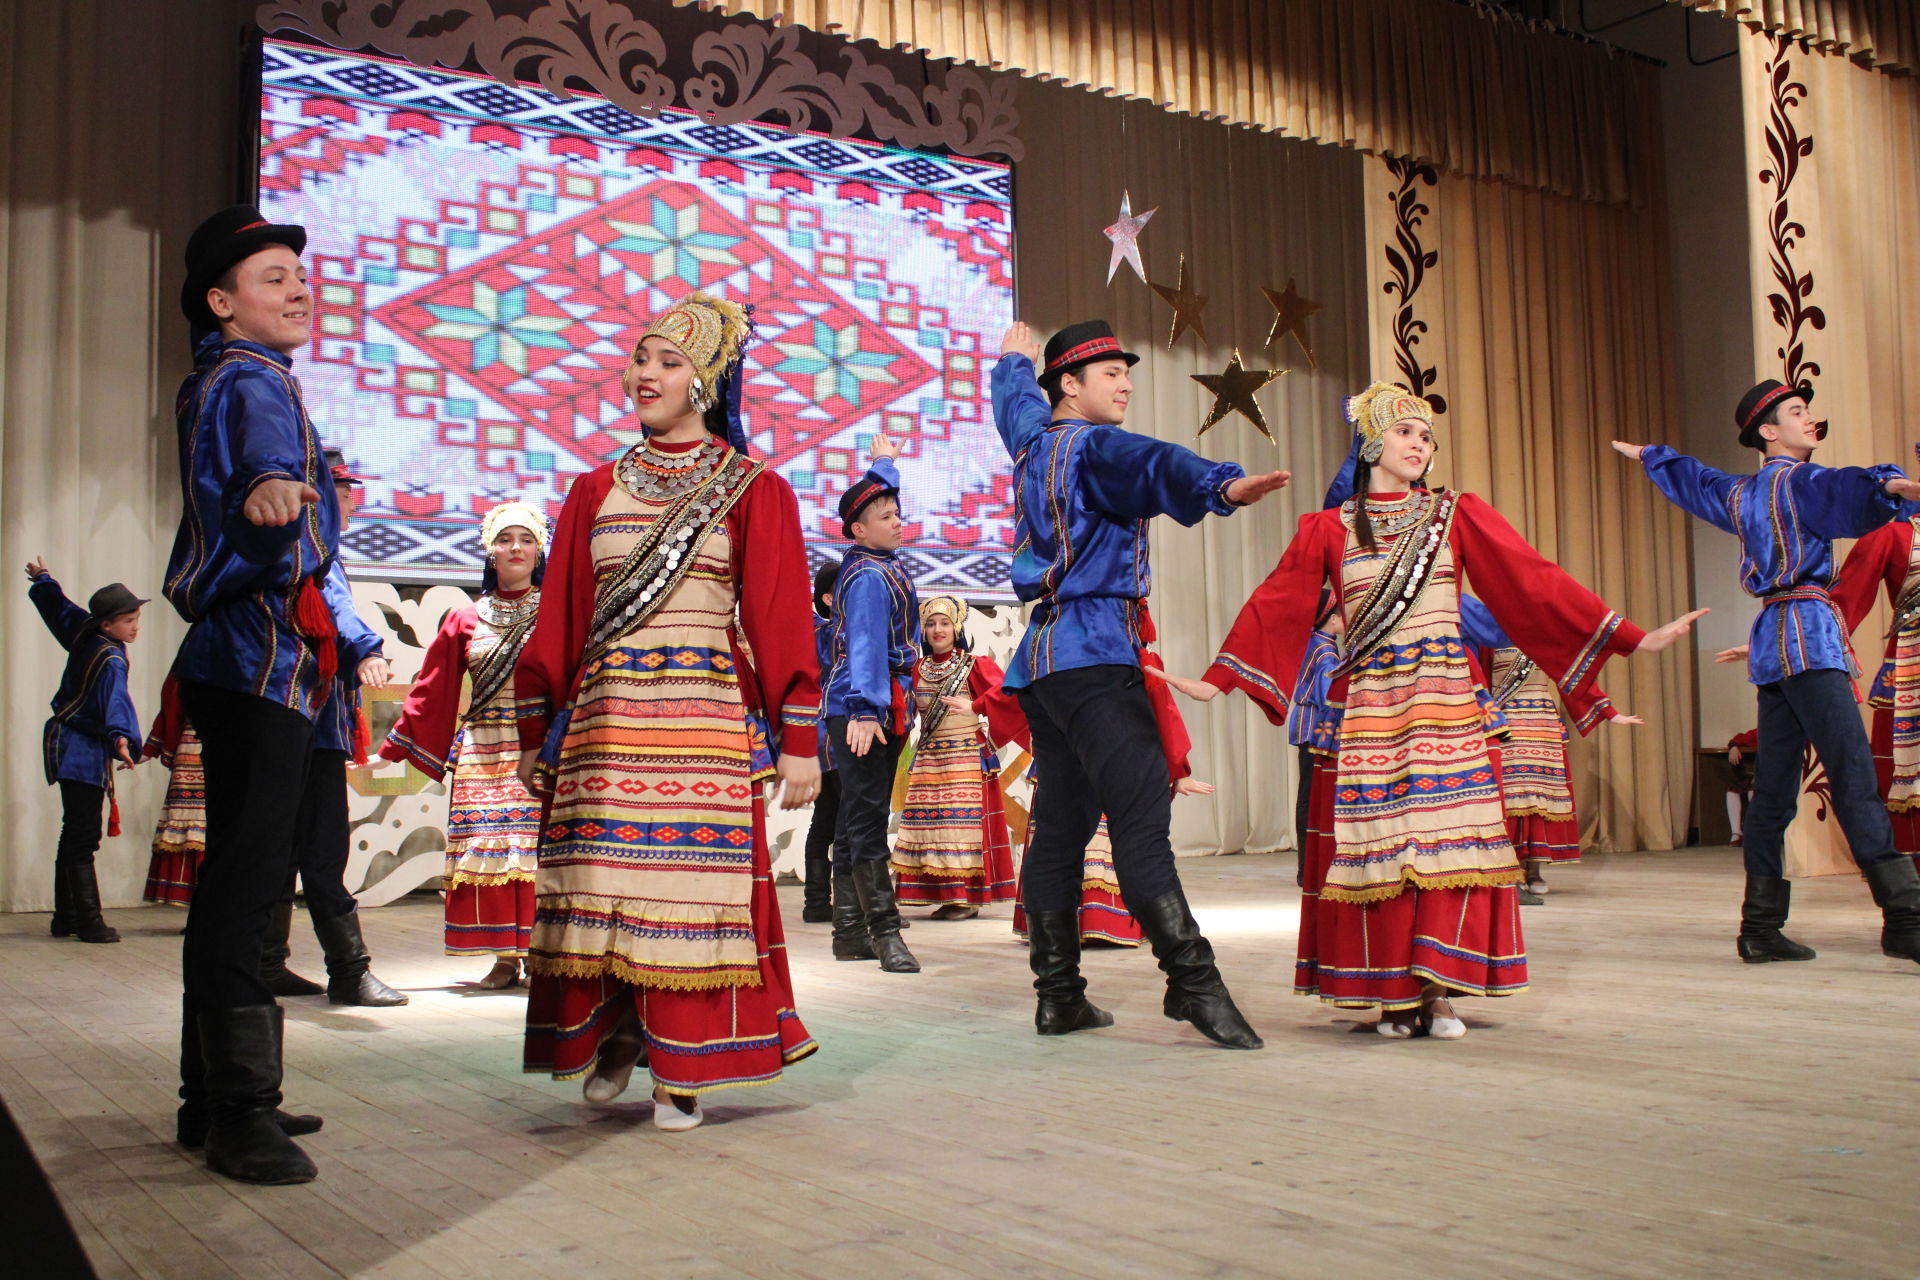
[(654, 475)]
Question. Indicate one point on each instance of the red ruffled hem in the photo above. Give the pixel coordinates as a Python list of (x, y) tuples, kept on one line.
[(1544, 839), (1103, 918), (171, 875), (489, 919)]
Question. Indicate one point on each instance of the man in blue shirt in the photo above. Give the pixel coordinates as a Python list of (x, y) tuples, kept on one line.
[(817, 905), (259, 532), (873, 644), (1084, 490), (1786, 517), (93, 725)]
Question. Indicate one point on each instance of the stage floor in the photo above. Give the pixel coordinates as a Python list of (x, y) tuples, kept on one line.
[(1651, 1107)]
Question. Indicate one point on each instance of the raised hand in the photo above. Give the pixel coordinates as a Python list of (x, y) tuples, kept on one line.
[(1629, 450), (35, 567), (1018, 341), (278, 502), (1198, 690), (1660, 638), (1250, 489), (884, 447)]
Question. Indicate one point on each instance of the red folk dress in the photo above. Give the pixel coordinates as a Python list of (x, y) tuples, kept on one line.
[(180, 836), (1889, 555), (1422, 883), (953, 845), (493, 822), (654, 890)]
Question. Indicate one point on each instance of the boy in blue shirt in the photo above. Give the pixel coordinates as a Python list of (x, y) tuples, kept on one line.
[(93, 725), (1786, 516)]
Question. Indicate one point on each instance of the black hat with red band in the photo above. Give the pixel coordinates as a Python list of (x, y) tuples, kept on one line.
[(1081, 344), (869, 488), (1755, 404)]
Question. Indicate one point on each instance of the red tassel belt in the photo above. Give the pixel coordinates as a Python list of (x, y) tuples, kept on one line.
[(313, 622)]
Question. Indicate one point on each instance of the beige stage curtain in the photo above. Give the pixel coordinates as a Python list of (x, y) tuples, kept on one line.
[(117, 129), (1882, 33), (1249, 210), (1834, 264), (1550, 330), (1468, 90)]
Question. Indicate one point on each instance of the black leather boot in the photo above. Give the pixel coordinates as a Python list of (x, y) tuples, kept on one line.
[(1195, 991), (1762, 914), (241, 1048), (817, 897), (850, 940), (873, 885), (83, 905), (1053, 949), (350, 977), (280, 980), (193, 1120), (1896, 891), (62, 925)]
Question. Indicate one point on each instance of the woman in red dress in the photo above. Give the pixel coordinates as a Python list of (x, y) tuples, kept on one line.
[(656, 934), (1420, 899)]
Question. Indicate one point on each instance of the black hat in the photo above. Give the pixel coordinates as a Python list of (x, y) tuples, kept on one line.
[(1079, 344), (111, 601), (1754, 405), (229, 236), (338, 468), (867, 489)]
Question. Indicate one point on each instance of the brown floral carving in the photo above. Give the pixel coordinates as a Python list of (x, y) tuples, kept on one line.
[(1815, 783), (1786, 148), (1408, 261), (741, 69)]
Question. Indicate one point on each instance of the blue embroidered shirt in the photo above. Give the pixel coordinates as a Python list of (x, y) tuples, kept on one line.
[(241, 422), (823, 649), (1786, 516), (1313, 720), (875, 635), (333, 728), (92, 706), (1083, 495)]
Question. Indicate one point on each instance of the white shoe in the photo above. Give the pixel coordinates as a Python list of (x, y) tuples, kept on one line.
[(606, 1084), (1443, 1025), (1393, 1030), (670, 1118), (1539, 886)]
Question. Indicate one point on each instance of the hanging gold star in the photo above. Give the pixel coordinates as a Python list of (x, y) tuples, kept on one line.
[(1233, 392), (1187, 306), (1290, 316)]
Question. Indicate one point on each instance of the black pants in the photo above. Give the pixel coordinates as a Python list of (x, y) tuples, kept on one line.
[(866, 797), (80, 807), (320, 839), (826, 816), (1096, 749), (1817, 708), (256, 755)]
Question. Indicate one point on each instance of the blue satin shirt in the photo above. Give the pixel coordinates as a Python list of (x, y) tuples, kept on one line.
[(92, 706), (874, 638)]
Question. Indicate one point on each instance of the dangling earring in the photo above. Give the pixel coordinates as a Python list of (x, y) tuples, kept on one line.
[(701, 397)]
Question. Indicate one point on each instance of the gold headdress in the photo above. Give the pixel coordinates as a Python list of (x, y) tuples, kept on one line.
[(952, 606), (513, 515), (711, 332), (1379, 407)]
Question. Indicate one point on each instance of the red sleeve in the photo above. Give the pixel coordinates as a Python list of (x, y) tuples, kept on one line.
[(1880, 557), (1748, 742), (1588, 707), (1006, 722), (167, 726), (1175, 743), (550, 663), (1268, 640), (423, 736), (1554, 620), (776, 610)]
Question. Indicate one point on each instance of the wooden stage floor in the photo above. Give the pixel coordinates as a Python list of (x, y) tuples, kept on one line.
[(1651, 1108)]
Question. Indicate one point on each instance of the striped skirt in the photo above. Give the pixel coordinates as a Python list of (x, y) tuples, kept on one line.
[(953, 845)]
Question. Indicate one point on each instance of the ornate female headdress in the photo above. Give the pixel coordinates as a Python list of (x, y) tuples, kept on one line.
[(713, 334), (513, 515), (1379, 407), (952, 606)]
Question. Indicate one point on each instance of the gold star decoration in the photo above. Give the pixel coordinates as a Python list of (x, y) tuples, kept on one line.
[(1233, 392), (1186, 305), (1290, 316)]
